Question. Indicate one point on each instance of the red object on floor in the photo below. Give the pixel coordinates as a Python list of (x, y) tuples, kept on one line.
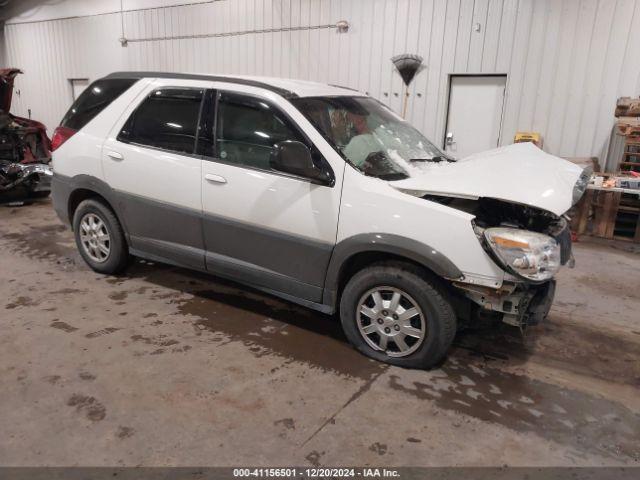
[(574, 236)]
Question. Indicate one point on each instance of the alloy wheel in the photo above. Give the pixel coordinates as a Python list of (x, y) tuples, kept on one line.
[(390, 320), (95, 237)]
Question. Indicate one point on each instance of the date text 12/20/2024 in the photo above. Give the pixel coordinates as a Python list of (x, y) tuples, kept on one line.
[(315, 473)]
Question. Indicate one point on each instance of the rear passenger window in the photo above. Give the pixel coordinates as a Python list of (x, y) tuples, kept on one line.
[(166, 119), (248, 128), (95, 98)]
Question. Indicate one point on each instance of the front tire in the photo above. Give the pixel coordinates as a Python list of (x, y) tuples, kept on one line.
[(99, 237), (392, 313)]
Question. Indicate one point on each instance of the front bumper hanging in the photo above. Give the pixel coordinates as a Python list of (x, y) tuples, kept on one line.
[(520, 304)]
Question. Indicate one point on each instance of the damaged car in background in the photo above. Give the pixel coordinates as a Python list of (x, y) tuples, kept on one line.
[(25, 149)]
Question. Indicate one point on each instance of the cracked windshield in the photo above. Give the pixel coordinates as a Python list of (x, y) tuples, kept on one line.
[(371, 137)]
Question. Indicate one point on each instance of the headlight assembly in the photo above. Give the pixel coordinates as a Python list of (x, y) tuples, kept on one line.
[(529, 255)]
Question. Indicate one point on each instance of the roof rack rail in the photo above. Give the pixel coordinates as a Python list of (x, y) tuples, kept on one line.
[(195, 76)]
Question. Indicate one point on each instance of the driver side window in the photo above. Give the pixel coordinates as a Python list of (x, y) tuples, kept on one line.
[(248, 128), (166, 119)]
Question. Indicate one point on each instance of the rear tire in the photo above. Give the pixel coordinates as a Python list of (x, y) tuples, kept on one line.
[(377, 314), (99, 237)]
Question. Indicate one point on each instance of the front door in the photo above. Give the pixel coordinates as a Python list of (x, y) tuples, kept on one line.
[(263, 227), (475, 114)]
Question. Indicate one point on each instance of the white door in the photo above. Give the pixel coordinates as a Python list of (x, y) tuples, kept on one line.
[(475, 114), (263, 227)]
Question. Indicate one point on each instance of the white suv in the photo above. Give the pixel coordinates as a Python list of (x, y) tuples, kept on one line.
[(318, 194)]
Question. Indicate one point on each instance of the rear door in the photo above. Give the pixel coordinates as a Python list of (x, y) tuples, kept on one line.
[(260, 226), (150, 160)]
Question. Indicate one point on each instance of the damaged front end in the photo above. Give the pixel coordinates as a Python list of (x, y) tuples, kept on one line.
[(519, 305), (25, 149), (529, 243)]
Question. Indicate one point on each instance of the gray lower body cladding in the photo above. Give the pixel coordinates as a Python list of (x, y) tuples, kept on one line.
[(290, 266), (296, 268), (247, 253)]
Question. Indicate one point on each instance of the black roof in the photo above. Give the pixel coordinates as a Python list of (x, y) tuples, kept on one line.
[(194, 76)]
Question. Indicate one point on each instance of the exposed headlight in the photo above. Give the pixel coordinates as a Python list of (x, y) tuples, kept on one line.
[(581, 184), (530, 255)]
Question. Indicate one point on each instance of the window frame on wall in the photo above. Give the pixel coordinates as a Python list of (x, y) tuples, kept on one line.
[(124, 136), (73, 82)]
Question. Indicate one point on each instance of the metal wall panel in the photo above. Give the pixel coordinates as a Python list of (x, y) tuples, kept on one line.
[(567, 60)]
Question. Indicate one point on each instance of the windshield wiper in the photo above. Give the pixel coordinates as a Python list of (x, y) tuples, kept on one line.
[(436, 159)]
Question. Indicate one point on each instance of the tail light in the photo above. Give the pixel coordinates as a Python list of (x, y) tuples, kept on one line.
[(61, 135)]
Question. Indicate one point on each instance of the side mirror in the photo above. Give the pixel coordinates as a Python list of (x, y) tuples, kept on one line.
[(295, 158)]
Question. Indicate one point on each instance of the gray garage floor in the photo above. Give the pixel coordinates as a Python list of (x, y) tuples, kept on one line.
[(167, 367)]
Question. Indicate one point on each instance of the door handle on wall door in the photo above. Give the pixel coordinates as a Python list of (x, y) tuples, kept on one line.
[(115, 155), (449, 138), (210, 177)]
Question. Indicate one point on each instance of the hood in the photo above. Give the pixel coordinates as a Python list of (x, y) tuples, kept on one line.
[(519, 173), (7, 75)]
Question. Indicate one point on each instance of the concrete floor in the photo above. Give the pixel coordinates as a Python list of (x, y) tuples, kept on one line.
[(167, 367)]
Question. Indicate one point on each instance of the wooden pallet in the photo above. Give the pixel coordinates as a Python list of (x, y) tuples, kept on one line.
[(608, 214), (631, 155)]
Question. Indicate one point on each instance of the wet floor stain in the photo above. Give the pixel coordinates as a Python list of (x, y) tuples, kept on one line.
[(52, 242), (86, 376), (102, 332), (21, 301), (67, 291), (118, 296), (287, 423), (608, 286), (560, 344), (379, 448), (160, 340), (89, 406), (271, 327), (64, 326), (52, 379), (124, 432), (314, 457), (569, 417)]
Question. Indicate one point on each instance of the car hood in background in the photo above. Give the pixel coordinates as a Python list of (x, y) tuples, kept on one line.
[(519, 173), (7, 75)]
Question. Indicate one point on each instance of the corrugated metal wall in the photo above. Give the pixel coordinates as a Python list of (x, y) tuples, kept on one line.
[(567, 61)]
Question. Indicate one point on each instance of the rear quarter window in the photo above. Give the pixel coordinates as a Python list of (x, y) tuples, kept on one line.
[(95, 98), (166, 119)]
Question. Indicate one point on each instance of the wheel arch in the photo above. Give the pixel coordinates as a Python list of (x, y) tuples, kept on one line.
[(355, 253), (83, 187)]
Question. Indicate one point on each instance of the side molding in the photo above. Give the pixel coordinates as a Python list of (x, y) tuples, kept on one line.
[(384, 243)]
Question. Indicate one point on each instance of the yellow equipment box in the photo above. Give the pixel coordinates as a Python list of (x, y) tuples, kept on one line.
[(534, 137)]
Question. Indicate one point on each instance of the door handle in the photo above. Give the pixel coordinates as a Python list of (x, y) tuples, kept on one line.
[(115, 155), (210, 177)]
